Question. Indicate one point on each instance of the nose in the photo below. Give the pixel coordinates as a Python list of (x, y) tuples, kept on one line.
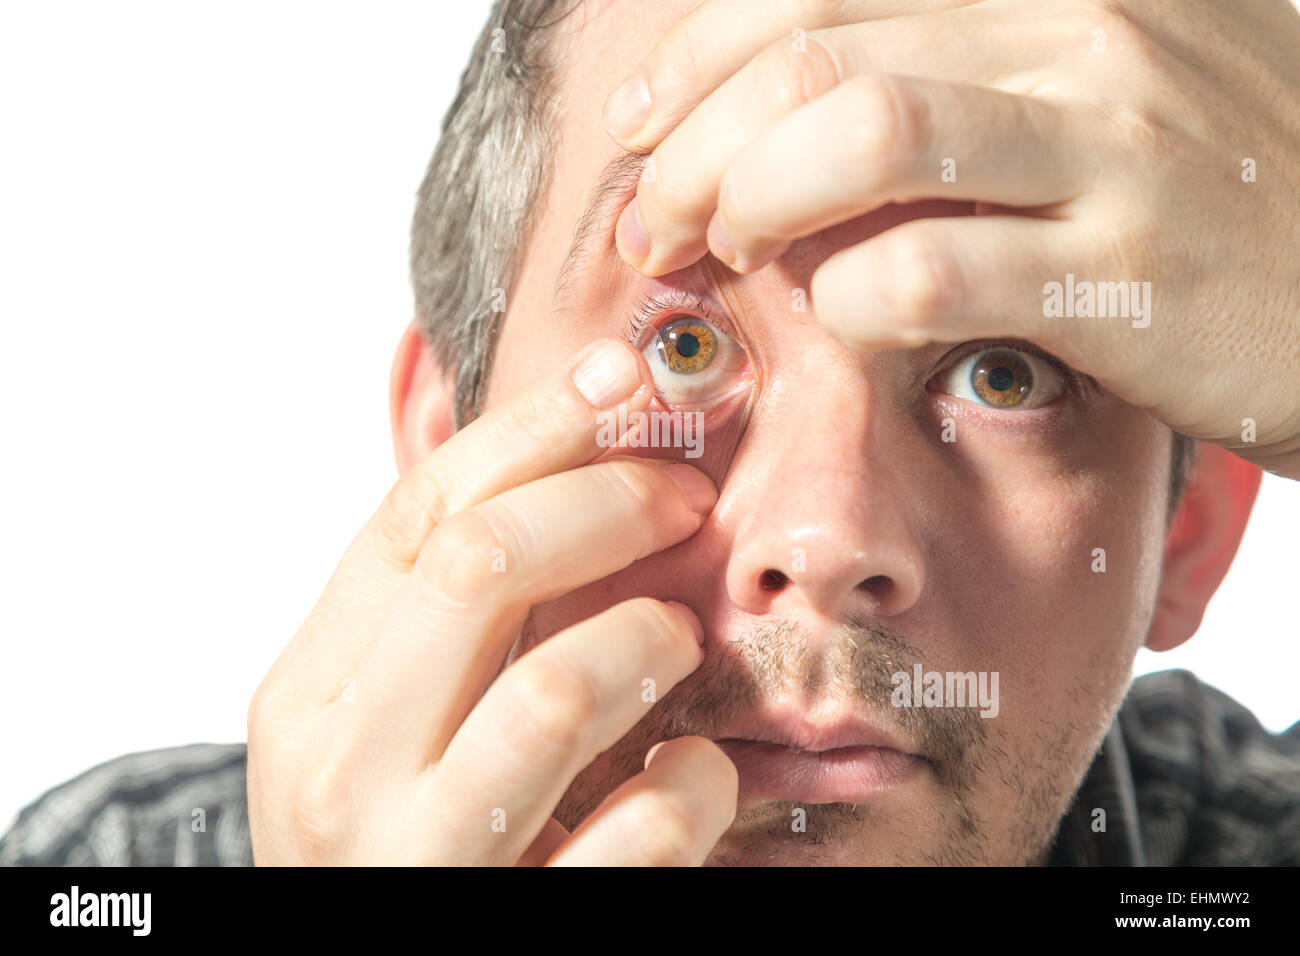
[(822, 513)]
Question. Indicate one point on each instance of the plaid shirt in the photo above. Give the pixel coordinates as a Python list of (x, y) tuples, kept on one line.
[(1186, 775)]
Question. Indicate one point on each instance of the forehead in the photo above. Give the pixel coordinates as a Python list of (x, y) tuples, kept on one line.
[(600, 43), (594, 48)]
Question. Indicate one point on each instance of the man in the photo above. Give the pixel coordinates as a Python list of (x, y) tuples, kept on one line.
[(794, 478)]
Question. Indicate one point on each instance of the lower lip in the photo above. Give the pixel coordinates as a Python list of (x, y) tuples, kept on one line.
[(845, 775)]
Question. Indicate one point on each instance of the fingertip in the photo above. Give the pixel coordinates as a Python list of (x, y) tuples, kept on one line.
[(690, 617), (650, 754), (719, 241), (630, 235), (609, 371), (627, 109), (694, 485)]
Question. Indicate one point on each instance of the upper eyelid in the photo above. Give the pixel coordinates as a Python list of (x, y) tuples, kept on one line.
[(967, 349), (614, 189), (681, 300), (1078, 387)]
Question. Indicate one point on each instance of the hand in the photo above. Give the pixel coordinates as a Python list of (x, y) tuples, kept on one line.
[(1107, 141), (371, 739)]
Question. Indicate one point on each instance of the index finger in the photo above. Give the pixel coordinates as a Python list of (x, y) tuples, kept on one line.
[(714, 41)]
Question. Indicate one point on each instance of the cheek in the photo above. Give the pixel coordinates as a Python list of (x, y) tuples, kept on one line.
[(521, 355), (1055, 570)]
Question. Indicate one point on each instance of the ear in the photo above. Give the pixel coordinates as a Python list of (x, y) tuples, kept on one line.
[(1201, 542), (421, 400)]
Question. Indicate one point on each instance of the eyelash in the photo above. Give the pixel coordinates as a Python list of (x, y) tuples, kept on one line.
[(1074, 382), (681, 300), (675, 300)]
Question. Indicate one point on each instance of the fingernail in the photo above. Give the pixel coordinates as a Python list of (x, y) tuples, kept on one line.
[(607, 374), (697, 488), (690, 618), (719, 241), (650, 754), (633, 242), (627, 108)]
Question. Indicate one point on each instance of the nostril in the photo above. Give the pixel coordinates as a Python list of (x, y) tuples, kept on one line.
[(878, 586), (772, 580)]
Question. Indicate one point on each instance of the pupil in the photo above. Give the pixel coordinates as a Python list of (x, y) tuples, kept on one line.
[(687, 345), (1001, 378)]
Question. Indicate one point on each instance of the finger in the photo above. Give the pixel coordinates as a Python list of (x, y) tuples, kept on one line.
[(885, 138), (482, 570), (671, 814), (949, 280), (711, 43), (548, 716), (548, 841), (549, 426), (663, 228)]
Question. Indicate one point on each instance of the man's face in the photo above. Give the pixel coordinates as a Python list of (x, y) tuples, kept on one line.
[(868, 520)]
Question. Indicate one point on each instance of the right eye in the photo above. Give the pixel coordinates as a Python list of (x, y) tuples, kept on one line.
[(693, 360), (1004, 378)]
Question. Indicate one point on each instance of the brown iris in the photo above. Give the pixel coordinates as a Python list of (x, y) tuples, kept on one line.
[(688, 345), (1002, 378)]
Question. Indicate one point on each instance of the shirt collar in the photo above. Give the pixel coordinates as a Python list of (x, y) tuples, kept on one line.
[(1101, 826)]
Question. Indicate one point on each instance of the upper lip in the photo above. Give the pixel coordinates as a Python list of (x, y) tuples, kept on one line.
[(794, 728)]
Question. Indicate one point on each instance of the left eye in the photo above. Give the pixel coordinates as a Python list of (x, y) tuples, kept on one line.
[(693, 361), (1004, 378)]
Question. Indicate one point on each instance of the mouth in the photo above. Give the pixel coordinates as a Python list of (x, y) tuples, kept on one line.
[(843, 760)]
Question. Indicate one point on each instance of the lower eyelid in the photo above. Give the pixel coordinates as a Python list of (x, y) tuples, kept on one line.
[(718, 406), (1040, 423)]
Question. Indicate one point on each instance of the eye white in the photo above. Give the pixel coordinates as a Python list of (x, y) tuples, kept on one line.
[(715, 379), (1047, 381)]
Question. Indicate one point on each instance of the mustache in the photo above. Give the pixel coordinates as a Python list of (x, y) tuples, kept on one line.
[(856, 662)]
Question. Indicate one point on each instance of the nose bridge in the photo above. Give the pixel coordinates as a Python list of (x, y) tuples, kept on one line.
[(820, 510)]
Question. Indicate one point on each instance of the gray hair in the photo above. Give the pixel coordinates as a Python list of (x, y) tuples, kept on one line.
[(479, 198)]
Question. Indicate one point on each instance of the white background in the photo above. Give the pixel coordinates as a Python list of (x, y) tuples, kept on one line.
[(203, 230)]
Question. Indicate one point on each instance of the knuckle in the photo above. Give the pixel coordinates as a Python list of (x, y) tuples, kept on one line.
[(793, 77), (1122, 29), (531, 417), (635, 485), (258, 717), (317, 818), (724, 771), (1112, 16), (817, 11), (1126, 243), (887, 123), (741, 203), (923, 282), (830, 302), (671, 197), (688, 54), (410, 506), (659, 620), (1139, 131), (669, 834), (272, 717), (554, 701), (735, 197), (458, 557)]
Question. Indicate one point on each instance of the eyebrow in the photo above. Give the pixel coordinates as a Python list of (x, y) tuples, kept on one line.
[(614, 186)]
